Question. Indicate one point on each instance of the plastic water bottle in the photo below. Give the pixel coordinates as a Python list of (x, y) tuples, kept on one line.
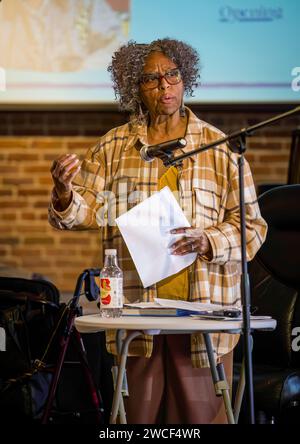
[(111, 286)]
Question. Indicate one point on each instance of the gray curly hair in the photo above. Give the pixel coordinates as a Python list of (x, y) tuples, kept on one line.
[(128, 63)]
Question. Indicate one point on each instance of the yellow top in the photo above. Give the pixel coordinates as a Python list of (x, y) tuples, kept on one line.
[(177, 285)]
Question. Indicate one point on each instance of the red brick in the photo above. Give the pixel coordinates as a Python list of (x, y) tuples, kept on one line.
[(251, 157), (262, 169), (23, 157), (48, 143), (72, 276), (38, 169), (282, 171), (12, 264), (28, 216), (9, 169), (59, 252), (69, 264), (41, 204), (13, 204), (268, 145), (9, 240), (74, 240), (6, 143), (51, 157), (8, 216), (17, 181), (274, 158), (35, 262), (6, 193), (32, 192), (31, 229), (38, 240), (28, 251), (6, 230)]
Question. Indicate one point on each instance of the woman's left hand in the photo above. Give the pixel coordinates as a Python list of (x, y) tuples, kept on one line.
[(194, 240)]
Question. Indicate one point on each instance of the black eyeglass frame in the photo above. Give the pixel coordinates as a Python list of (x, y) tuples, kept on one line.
[(156, 77)]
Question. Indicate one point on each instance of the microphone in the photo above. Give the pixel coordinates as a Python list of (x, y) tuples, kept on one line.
[(149, 152)]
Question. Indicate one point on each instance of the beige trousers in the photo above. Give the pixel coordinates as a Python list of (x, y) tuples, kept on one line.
[(165, 389)]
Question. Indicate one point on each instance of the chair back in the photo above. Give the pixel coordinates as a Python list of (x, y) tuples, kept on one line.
[(280, 254), (276, 291)]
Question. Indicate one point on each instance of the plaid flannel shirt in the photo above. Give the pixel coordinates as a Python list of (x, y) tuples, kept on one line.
[(114, 178)]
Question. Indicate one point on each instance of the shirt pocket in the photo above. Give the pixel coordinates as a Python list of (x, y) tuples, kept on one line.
[(122, 184), (207, 208)]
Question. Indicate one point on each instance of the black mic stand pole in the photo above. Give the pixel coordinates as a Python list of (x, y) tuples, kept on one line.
[(238, 139)]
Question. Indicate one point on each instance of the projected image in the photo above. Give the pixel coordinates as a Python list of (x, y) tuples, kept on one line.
[(58, 51), (60, 35)]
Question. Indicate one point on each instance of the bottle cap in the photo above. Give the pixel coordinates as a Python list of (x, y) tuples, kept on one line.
[(111, 252)]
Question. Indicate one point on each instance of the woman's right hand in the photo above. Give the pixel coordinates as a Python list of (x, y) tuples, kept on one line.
[(63, 171)]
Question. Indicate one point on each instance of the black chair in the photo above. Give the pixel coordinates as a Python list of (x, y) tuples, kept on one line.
[(275, 284), (50, 373)]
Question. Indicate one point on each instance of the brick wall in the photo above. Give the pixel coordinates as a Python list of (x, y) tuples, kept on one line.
[(30, 140)]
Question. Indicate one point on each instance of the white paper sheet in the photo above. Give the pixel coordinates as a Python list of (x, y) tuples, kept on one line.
[(184, 305), (197, 306), (146, 231)]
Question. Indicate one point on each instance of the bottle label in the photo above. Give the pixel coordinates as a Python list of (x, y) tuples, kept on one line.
[(111, 292)]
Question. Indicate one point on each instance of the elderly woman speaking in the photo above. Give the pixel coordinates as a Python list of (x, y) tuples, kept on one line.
[(168, 376)]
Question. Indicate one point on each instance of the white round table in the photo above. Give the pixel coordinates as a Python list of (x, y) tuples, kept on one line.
[(153, 325)]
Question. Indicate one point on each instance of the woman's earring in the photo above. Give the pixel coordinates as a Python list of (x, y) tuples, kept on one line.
[(141, 114), (182, 110)]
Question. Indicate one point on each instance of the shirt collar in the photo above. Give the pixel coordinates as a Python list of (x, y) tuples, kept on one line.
[(137, 133), (194, 134)]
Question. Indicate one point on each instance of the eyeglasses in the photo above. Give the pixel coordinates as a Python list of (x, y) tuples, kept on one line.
[(152, 80)]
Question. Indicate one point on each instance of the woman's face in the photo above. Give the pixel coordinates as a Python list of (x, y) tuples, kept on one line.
[(164, 99)]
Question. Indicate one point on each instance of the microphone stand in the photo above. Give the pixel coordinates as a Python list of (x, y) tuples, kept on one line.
[(237, 143)]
